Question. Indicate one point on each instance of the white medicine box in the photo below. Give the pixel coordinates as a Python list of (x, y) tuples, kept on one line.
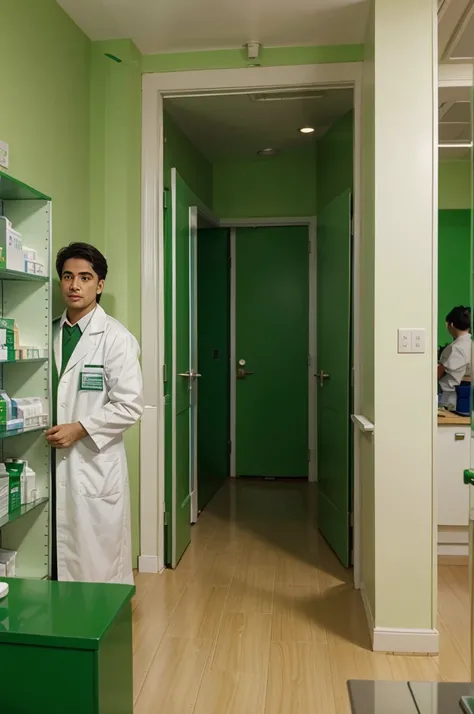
[(11, 247)]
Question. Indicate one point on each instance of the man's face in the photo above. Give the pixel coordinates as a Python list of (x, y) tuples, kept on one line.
[(80, 284)]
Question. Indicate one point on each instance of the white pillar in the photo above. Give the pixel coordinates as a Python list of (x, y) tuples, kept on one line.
[(398, 278)]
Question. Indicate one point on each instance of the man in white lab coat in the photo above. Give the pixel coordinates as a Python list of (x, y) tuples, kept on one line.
[(97, 396), (455, 360)]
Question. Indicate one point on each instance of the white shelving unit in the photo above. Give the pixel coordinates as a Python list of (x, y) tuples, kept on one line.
[(27, 299)]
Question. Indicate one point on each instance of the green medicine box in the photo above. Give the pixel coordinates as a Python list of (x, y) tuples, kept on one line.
[(66, 647)]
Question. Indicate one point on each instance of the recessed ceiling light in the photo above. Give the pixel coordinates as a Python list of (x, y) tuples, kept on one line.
[(266, 152), (307, 130)]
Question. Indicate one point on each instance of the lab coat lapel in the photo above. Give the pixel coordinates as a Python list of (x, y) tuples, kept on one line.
[(57, 344), (89, 339)]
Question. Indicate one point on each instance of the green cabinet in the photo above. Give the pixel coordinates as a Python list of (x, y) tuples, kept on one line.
[(66, 647)]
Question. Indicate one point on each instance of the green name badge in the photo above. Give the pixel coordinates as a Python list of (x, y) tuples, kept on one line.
[(92, 380)]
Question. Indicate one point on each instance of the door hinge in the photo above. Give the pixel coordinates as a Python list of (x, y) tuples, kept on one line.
[(351, 519), (166, 518), (165, 199), (309, 455), (309, 246), (165, 374)]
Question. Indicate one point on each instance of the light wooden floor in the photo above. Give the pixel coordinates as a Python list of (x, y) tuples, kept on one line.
[(259, 617)]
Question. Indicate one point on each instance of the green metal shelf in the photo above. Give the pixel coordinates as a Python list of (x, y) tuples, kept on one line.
[(18, 432), (11, 189), (19, 512), (24, 277), (30, 360)]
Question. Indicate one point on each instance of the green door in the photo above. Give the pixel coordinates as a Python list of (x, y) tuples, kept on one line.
[(333, 374), (178, 400), (272, 343), (213, 338)]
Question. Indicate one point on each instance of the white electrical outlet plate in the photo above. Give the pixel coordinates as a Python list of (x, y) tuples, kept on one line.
[(411, 340), (404, 341)]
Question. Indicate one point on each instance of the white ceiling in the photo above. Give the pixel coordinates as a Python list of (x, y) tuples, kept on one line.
[(455, 124), (187, 25), (229, 126), (456, 30)]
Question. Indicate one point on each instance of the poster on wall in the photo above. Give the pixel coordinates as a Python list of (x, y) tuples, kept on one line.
[(3, 155)]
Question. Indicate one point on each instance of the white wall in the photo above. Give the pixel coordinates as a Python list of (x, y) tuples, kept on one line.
[(399, 238)]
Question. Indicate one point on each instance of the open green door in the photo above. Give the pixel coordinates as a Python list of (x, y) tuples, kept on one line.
[(179, 378), (333, 374)]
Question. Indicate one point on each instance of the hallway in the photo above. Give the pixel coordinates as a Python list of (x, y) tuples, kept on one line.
[(260, 618)]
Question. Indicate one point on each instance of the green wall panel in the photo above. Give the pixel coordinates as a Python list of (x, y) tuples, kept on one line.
[(115, 186), (237, 58), (267, 186), (45, 60), (454, 260), (335, 161), (181, 154), (454, 184)]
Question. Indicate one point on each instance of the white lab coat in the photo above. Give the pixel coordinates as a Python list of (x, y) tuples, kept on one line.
[(92, 489)]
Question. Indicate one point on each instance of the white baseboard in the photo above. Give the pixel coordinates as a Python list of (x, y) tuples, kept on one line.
[(368, 611), (397, 640), (148, 564)]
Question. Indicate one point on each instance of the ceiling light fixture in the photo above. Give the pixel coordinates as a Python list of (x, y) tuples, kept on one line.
[(266, 152), (307, 130)]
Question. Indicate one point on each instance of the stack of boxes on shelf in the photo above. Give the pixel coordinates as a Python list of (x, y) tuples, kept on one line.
[(14, 255), (21, 413), (17, 488), (10, 348)]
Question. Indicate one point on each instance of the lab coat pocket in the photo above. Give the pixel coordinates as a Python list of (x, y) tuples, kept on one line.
[(101, 477)]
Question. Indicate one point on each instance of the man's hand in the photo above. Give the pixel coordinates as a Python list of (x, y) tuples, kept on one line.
[(65, 435)]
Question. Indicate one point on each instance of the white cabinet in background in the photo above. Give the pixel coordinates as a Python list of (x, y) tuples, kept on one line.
[(452, 457)]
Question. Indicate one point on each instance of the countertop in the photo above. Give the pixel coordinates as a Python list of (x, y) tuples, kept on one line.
[(60, 614), (446, 418)]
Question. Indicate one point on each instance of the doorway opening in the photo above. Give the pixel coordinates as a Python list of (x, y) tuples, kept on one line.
[(452, 438), (258, 300)]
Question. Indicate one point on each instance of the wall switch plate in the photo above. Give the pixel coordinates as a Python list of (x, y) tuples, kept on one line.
[(404, 341), (411, 340), (418, 341)]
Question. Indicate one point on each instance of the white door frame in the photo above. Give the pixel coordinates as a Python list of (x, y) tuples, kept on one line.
[(310, 223), (155, 87)]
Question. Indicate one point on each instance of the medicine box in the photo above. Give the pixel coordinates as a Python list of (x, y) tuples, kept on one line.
[(4, 491), (11, 247), (7, 563)]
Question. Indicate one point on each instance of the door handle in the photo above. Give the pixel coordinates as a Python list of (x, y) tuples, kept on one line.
[(242, 373), (190, 375), (322, 376)]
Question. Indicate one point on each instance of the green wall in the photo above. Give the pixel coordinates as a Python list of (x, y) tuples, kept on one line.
[(114, 195), (181, 154), (45, 108), (454, 184), (72, 120), (335, 160), (454, 260), (237, 58), (267, 186)]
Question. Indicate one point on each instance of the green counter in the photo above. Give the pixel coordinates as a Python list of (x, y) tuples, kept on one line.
[(66, 647)]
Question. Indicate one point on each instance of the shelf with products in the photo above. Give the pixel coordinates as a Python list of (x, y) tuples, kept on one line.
[(25, 298)]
